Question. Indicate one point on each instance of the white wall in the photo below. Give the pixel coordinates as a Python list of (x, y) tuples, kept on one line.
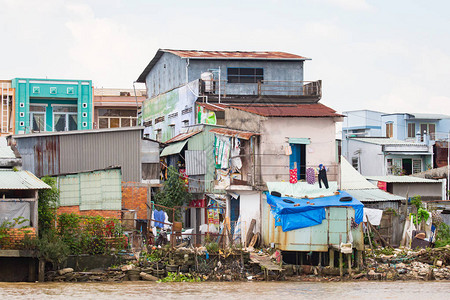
[(371, 158), (250, 208), (275, 134)]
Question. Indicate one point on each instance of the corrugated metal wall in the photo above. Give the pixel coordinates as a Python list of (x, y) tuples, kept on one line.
[(69, 153), (40, 155), (101, 150), (195, 162)]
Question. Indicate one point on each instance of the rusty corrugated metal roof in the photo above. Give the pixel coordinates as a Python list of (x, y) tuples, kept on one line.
[(234, 54), (246, 135), (288, 110), (182, 136), (213, 107)]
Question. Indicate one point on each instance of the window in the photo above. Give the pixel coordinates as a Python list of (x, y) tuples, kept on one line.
[(65, 117), (172, 130), (245, 75), (158, 135), (429, 129), (185, 123), (417, 166), (389, 130), (114, 118), (411, 130), (355, 163), (37, 118)]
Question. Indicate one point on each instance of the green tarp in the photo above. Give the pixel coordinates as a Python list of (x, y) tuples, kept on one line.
[(174, 148)]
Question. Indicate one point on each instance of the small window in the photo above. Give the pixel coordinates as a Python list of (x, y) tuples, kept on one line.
[(185, 123), (411, 130), (21, 123), (84, 124), (84, 105), (84, 115), (158, 135), (245, 75), (389, 130), (22, 104), (22, 114), (355, 163)]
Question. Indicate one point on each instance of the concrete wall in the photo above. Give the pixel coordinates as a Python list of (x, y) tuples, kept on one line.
[(400, 129), (428, 191), (275, 134), (371, 158)]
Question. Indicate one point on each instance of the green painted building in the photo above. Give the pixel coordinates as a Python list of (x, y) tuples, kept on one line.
[(52, 105)]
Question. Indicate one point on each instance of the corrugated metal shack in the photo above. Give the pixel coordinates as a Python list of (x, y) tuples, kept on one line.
[(53, 153)]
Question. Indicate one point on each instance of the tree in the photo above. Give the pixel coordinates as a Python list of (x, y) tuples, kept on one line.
[(47, 205), (174, 192)]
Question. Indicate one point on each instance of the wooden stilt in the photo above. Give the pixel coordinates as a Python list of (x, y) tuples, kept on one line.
[(359, 263), (349, 261), (32, 270), (341, 265), (41, 271), (331, 263), (320, 259)]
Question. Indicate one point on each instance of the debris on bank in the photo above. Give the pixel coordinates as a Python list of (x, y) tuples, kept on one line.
[(197, 264)]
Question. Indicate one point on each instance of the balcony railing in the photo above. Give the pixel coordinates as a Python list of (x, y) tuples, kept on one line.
[(284, 88)]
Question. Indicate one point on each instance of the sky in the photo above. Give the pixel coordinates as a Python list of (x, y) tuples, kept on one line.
[(391, 56)]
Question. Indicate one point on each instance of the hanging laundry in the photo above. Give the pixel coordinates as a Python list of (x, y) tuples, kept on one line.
[(236, 162), (310, 176), (159, 217), (322, 177), (293, 175)]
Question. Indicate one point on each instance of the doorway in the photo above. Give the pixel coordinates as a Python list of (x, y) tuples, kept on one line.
[(407, 166), (298, 158)]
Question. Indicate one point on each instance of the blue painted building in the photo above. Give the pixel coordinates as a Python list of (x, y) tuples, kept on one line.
[(52, 105), (420, 128)]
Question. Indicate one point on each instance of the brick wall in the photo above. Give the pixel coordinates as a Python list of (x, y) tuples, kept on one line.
[(116, 214), (15, 237), (134, 197)]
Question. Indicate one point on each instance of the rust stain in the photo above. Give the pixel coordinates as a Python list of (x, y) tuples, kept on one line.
[(235, 54), (246, 135)]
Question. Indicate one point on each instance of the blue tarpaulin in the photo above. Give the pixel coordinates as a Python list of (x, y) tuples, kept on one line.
[(300, 213)]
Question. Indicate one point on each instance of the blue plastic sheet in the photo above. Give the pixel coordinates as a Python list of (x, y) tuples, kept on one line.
[(301, 214)]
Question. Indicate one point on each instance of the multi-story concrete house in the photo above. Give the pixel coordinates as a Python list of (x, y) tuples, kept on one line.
[(431, 130), (234, 121), (52, 105)]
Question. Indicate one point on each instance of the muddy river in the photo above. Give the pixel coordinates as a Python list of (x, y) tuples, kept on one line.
[(228, 290)]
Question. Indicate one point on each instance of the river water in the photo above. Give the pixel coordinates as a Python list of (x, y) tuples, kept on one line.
[(228, 290)]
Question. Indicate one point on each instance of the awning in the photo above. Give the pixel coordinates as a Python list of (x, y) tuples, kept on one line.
[(174, 148), (245, 135), (303, 141), (408, 153)]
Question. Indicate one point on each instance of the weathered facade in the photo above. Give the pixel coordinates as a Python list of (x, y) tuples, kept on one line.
[(78, 151), (115, 108)]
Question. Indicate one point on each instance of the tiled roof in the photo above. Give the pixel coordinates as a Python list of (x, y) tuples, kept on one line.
[(234, 54), (288, 110), (232, 132)]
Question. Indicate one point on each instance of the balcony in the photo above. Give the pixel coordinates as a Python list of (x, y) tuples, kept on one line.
[(282, 91)]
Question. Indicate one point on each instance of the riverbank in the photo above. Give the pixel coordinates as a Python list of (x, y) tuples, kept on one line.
[(193, 265)]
